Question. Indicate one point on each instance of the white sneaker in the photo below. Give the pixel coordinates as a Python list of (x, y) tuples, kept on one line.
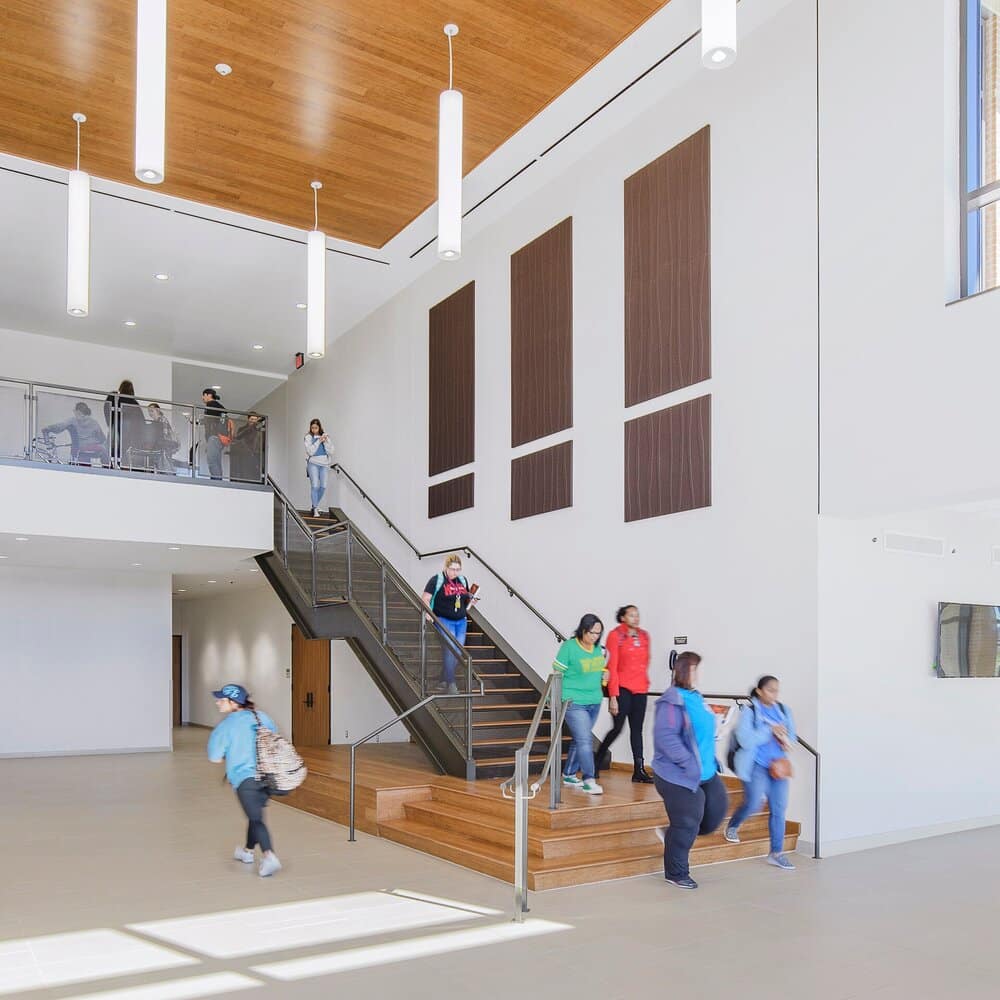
[(243, 854), (269, 864), (572, 780), (315, 512), (732, 835), (591, 787)]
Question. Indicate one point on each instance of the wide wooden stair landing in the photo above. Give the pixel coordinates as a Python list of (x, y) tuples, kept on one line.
[(588, 839)]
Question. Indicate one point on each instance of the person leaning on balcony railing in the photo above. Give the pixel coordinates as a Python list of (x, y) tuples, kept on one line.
[(125, 421), (89, 441)]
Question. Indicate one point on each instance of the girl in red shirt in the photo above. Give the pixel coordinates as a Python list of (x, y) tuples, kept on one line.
[(628, 684)]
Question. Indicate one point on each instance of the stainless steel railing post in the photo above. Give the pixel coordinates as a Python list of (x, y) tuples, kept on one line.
[(385, 627), (555, 741), (351, 837), (521, 833), (423, 655), (816, 851), (350, 575), (312, 555)]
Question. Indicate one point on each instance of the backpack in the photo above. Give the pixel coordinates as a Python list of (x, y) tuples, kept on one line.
[(278, 762), (230, 433), (734, 743)]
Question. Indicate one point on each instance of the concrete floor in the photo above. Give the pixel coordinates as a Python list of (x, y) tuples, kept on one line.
[(94, 846)]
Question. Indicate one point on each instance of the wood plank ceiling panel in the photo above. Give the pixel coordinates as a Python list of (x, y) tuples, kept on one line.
[(542, 482), (451, 391), (668, 297), (451, 496), (668, 460), (541, 336), (345, 91)]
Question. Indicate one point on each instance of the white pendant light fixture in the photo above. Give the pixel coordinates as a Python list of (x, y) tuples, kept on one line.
[(450, 163), (78, 235), (718, 33), (316, 283), (150, 90)]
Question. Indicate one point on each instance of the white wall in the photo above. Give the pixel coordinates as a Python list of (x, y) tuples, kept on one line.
[(240, 638), (82, 365), (86, 661), (245, 638), (904, 752), (908, 382), (738, 578)]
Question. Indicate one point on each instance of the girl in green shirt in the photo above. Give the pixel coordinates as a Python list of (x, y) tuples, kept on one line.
[(581, 661)]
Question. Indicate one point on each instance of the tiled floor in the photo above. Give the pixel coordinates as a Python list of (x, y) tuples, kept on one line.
[(127, 859)]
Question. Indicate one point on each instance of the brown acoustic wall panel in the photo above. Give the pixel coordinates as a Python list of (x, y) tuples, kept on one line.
[(541, 336), (668, 460), (542, 482), (455, 494), (668, 272), (451, 394)]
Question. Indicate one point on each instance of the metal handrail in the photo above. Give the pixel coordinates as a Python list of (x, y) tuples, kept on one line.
[(467, 549), (381, 729), (115, 441), (740, 698), (388, 573), (518, 788)]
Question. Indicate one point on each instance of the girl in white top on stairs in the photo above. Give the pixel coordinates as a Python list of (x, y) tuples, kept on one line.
[(318, 452)]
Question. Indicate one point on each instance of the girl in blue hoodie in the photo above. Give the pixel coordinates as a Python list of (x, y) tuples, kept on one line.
[(685, 771), (764, 734)]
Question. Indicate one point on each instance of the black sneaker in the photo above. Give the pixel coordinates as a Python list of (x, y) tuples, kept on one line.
[(683, 882), (641, 776)]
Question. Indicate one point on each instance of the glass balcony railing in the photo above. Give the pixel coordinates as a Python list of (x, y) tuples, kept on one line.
[(66, 426)]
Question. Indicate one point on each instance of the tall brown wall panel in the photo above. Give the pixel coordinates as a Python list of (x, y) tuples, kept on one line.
[(667, 272), (541, 336), (455, 494), (452, 381), (668, 460), (542, 481)]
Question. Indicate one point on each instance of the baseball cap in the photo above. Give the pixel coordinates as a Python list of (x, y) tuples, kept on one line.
[(234, 692)]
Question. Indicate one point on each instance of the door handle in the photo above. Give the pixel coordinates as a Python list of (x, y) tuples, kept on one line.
[(309, 702)]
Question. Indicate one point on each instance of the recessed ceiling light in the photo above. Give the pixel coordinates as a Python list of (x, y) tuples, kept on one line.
[(213, 581), (174, 548), (3, 557), (130, 322), (223, 69), (255, 571), (136, 564), (258, 347), (300, 305), (162, 276), (216, 387), (182, 590), (20, 538)]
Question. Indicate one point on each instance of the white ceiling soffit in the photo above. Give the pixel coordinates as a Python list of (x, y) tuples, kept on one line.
[(235, 281)]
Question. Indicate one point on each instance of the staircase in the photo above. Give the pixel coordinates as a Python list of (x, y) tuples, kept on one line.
[(336, 584)]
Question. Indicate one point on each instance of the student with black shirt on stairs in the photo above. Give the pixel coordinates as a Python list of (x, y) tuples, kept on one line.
[(449, 596)]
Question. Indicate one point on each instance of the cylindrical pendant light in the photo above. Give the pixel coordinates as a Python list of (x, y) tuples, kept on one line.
[(450, 164), (718, 33), (150, 90), (316, 284), (78, 235)]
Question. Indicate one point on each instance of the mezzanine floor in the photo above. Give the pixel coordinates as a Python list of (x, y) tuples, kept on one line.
[(118, 882)]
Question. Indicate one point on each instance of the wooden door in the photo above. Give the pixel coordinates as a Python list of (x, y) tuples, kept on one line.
[(310, 690), (177, 680)]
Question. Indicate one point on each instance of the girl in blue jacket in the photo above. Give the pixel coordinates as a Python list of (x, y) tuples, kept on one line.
[(765, 733)]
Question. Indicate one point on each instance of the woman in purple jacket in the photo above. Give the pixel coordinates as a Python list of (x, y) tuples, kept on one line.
[(685, 771)]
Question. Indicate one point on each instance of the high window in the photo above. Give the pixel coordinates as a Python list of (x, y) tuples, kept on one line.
[(979, 153)]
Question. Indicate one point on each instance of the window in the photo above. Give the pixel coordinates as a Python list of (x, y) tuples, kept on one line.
[(980, 153)]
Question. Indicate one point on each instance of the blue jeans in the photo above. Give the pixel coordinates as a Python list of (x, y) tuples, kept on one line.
[(448, 659), (317, 481), (581, 719), (762, 786), (213, 452)]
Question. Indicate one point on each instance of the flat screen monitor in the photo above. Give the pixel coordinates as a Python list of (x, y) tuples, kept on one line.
[(968, 640)]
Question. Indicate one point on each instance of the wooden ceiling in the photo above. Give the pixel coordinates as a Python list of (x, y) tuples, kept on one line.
[(340, 90)]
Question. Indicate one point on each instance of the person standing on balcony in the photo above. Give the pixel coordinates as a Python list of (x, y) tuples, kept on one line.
[(214, 422), (246, 453), (449, 596), (764, 736), (628, 684), (163, 440), (685, 770), (234, 740), (318, 452), (125, 421), (582, 663)]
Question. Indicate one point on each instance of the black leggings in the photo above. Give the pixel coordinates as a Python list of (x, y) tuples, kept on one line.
[(632, 707), (691, 814), (253, 796)]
